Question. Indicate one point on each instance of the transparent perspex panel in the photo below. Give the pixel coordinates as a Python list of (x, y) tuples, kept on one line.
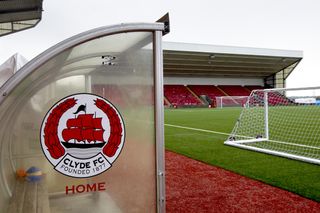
[(81, 127)]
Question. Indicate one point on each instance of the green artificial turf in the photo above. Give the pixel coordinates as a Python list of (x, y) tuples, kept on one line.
[(295, 176)]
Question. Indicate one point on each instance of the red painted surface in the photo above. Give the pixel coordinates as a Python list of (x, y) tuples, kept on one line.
[(193, 186)]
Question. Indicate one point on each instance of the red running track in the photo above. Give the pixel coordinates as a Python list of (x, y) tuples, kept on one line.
[(193, 186)]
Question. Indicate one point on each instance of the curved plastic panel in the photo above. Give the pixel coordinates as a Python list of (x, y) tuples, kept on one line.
[(114, 65)]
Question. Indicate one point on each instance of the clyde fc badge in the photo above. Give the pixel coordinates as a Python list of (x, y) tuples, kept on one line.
[(82, 135)]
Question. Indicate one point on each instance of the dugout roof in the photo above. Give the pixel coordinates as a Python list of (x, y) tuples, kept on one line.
[(17, 15), (213, 60)]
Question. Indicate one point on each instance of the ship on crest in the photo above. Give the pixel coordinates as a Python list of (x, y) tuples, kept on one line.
[(85, 128)]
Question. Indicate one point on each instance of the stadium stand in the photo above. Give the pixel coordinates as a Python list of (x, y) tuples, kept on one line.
[(166, 102), (178, 95), (138, 94), (209, 90), (126, 94), (109, 91), (235, 90), (254, 87), (17, 15), (274, 99)]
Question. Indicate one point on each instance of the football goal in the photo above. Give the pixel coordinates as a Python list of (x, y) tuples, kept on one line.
[(283, 122), (231, 101)]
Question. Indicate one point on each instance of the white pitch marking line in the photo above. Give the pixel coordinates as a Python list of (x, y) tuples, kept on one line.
[(195, 129), (222, 133), (204, 130)]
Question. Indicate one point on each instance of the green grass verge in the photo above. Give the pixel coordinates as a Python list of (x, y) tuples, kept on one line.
[(298, 177)]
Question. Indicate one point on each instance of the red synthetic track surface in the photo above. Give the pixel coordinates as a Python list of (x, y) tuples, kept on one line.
[(193, 186)]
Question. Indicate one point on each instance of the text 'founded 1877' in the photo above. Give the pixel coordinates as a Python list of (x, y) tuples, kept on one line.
[(82, 168)]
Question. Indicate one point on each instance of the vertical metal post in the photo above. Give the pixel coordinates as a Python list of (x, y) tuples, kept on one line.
[(159, 121), (266, 115)]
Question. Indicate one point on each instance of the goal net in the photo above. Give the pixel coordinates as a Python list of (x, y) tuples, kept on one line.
[(283, 122), (231, 101)]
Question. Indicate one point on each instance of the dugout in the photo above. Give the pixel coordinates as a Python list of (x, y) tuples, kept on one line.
[(71, 93), (203, 64)]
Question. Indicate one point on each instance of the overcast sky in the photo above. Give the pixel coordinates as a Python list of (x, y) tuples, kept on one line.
[(277, 24)]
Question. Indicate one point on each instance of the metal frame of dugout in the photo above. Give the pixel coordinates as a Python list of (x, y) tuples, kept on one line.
[(122, 63)]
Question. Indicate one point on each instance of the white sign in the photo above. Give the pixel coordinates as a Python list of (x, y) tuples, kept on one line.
[(305, 100)]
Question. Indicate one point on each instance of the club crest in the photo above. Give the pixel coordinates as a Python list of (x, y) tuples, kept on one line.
[(82, 135)]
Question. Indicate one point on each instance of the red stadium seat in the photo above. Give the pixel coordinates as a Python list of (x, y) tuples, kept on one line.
[(235, 90), (209, 90), (179, 95)]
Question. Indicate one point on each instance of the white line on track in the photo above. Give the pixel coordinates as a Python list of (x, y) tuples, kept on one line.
[(195, 129)]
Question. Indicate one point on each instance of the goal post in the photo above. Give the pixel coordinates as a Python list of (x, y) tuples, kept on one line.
[(230, 101), (283, 122)]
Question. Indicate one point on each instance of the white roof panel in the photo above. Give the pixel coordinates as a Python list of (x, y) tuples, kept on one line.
[(215, 60)]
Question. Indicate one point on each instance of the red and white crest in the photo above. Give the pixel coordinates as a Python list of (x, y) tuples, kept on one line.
[(82, 135)]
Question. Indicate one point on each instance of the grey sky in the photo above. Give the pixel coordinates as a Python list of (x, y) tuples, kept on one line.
[(277, 24)]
